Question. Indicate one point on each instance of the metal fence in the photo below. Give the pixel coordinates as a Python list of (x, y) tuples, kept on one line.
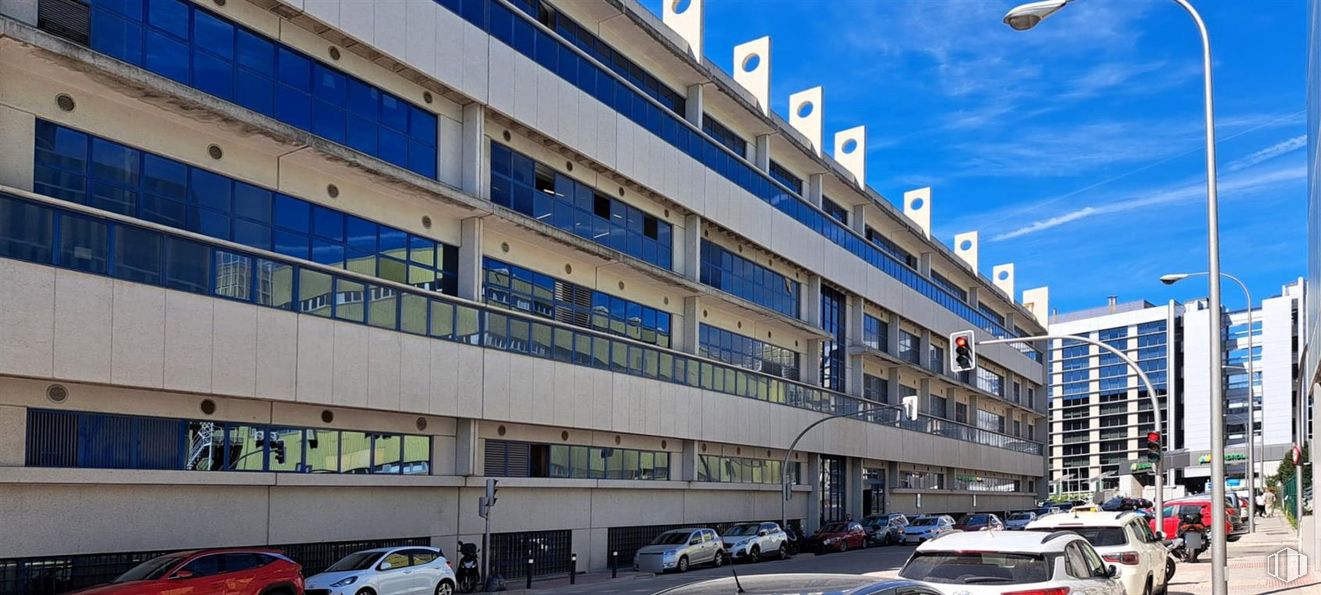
[(549, 550)]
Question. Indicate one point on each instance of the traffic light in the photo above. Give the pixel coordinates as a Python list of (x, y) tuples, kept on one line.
[(1153, 447), (278, 451), (963, 352)]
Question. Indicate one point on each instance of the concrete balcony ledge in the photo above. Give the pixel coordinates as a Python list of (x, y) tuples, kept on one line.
[(959, 492), (627, 484)]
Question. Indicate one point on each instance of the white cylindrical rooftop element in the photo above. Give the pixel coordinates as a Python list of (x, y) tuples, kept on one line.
[(805, 110), (1003, 277), (917, 207), (1037, 301), (965, 247), (851, 152), (685, 18), (752, 69)]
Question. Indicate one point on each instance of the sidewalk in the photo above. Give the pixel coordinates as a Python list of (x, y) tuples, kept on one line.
[(1247, 565)]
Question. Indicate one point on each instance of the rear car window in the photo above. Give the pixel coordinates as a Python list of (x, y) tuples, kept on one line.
[(1097, 536), (977, 568)]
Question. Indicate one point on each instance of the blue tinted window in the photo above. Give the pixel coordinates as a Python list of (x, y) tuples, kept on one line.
[(833, 350), (537, 190), (734, 274), (747, 352), (214, 55)]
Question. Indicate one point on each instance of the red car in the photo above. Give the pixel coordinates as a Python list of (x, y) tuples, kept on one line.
[(209, 572), (838, 537), (979, 522), (1176, 508)]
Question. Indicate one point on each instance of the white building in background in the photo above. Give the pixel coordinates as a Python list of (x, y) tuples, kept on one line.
[(1100, 414)]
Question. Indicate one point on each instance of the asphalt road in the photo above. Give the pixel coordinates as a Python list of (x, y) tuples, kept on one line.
[(885, 561)]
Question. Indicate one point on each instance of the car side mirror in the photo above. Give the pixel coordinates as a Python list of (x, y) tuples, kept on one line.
[(762, 533), (695, 541), (1158, 536), (183, 574), (1111, 571), (385, 566)]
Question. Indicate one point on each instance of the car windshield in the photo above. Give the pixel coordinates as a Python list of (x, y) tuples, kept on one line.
[(741, 530), (671, 538), (150, 570), (923, 522), (355, 561), (977, 519), (971, 568), (1097, 536), (1020, 516), (835, 528)]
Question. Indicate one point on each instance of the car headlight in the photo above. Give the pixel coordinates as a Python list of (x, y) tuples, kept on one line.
[(344, 582), (670, 554)]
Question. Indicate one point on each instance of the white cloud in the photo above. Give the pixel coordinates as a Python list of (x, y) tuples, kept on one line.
[(1281, 148), (1190, 192)]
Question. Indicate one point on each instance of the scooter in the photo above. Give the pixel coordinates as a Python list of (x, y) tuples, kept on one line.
[(1193, 534), (469, 572)]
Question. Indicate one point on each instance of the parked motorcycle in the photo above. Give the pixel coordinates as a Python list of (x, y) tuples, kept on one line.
[(1193, 534), (469, 572)]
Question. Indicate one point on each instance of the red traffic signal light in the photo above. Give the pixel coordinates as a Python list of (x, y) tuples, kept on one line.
[(961, 342), (963, 357), (1153, 437)]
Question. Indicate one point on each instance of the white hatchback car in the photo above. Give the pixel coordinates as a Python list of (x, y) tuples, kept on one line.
[(927, 527), (996, 562), (409, 570), (1123, 539)]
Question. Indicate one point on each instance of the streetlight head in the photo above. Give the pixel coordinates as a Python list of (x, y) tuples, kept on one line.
[(1026, 16), (1173, 278)]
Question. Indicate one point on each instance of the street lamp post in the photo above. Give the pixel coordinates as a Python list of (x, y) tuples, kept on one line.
[(1252, 471), (1029, 15)]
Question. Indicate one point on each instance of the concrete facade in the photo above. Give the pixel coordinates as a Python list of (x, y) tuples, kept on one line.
[(87, 343)]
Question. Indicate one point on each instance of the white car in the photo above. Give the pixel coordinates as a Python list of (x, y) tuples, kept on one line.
[(753, 541), (409, 570), (927, 527), (1123, 539), (996, 562)]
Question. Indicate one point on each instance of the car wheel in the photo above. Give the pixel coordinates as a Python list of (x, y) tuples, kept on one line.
[(445, 588), (843, 546), (1147, 589), (1169, 571), (754, 554), (784, 552), (366, 592), (683, 564), (719, 560)]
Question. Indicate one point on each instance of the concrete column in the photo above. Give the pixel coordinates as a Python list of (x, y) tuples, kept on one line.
[(892, 386), (924, 349), (1010, 320), (924, 264), (924, 395), (892, 337), (688, 338), (691, 247), (856, 368), (853, 365), (858, 219), (815, 188), (13, 435), (891, 482), (762, 154), (813, 479), (695, 105), (811, 366), (24, 11), (810, 309), (974, 296), (688, 462), (470, 259), (466, 461), (472, 179), (19, 129)]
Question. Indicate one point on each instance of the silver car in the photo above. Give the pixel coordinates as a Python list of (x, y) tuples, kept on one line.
[(751, 541), (1019, 520), (679, 549)]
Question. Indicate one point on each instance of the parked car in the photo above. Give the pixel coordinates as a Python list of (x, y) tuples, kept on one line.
[(1047, 509), (1191, 505), (1121, 538), (404, 570), (803, 584), (982, 521), (925, 528), (202, 572), (751, 541), (837, 537), (1019, 520), (679, 549), (986, 563), (885, 529)]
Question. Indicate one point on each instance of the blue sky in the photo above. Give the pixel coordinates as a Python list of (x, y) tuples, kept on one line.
[(1075, 149)]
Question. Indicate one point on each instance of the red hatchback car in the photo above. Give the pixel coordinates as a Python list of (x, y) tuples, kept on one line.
[(209, 572), (1182, 506), (838, 537)]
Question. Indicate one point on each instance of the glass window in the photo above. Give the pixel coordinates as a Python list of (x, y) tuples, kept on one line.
[(26, 231), (137, 254), (84, 244)]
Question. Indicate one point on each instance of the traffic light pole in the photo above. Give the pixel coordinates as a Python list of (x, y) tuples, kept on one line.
[(1151, 394)]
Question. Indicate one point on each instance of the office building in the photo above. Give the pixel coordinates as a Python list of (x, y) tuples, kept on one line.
[(1310, 365), (1101, 413), (307, 273)]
